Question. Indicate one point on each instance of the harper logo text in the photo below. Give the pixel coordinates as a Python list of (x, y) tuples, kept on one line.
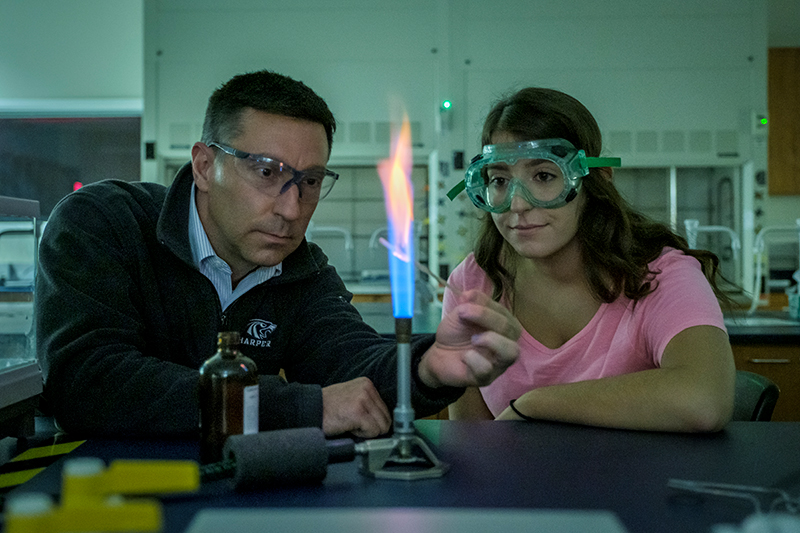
[(258, 332)]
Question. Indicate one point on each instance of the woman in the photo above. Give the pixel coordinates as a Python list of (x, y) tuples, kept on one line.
[(622, 325)]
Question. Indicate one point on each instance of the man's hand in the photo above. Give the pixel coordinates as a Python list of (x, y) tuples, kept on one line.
[(356, 407), (475, 343)]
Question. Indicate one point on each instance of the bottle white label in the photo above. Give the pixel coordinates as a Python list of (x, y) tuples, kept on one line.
[(250, 415)]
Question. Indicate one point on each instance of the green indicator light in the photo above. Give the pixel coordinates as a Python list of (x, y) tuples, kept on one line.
[(446, 104), (764, 121)]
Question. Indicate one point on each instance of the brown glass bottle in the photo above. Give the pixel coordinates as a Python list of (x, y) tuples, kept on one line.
[(228, 397)]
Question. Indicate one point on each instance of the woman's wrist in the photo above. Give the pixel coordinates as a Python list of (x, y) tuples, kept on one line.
[(518, 413)]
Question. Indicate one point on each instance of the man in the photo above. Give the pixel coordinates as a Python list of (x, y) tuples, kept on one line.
[(135, 280)]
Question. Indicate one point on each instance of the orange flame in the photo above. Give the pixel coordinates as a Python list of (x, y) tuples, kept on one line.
[(395, 176)]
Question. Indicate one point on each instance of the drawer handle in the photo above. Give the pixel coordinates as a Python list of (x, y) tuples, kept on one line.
[(762, 361)]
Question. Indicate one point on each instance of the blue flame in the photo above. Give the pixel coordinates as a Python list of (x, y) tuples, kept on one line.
[(401, 273)]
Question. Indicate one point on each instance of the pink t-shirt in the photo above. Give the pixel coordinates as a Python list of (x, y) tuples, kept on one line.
[(619, 339)]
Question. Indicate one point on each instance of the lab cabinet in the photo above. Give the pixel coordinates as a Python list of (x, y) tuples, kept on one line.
[(20, 373), (781, 364), (784, 127)]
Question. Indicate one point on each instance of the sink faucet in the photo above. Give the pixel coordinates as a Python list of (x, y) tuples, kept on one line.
[(377, 234), (348, 236), (758, 252), (693, 227)]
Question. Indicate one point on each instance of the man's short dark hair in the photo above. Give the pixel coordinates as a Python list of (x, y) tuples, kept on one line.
[(265, 91)]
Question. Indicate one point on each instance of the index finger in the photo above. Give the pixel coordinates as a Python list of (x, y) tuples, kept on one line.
[(480, 310)]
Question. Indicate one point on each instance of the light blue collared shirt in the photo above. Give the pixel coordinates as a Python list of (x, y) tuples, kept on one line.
[(217, 270)]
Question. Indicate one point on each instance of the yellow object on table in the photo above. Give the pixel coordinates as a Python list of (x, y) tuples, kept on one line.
[(93, 497)]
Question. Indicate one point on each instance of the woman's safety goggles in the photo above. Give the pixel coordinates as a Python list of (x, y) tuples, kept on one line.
[(546, 173)]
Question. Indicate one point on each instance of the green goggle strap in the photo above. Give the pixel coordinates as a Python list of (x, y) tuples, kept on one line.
[(591, 162), (598, 162), (457, 189)]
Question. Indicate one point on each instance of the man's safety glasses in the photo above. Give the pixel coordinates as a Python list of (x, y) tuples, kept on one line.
[(275, 178)]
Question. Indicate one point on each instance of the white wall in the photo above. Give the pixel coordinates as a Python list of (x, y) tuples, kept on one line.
[(642, 66), (639, 66), (646, 68), (71, 57), (361, 56)]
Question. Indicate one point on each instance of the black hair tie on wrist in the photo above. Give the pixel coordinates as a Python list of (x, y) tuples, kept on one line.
[(524, 417)]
